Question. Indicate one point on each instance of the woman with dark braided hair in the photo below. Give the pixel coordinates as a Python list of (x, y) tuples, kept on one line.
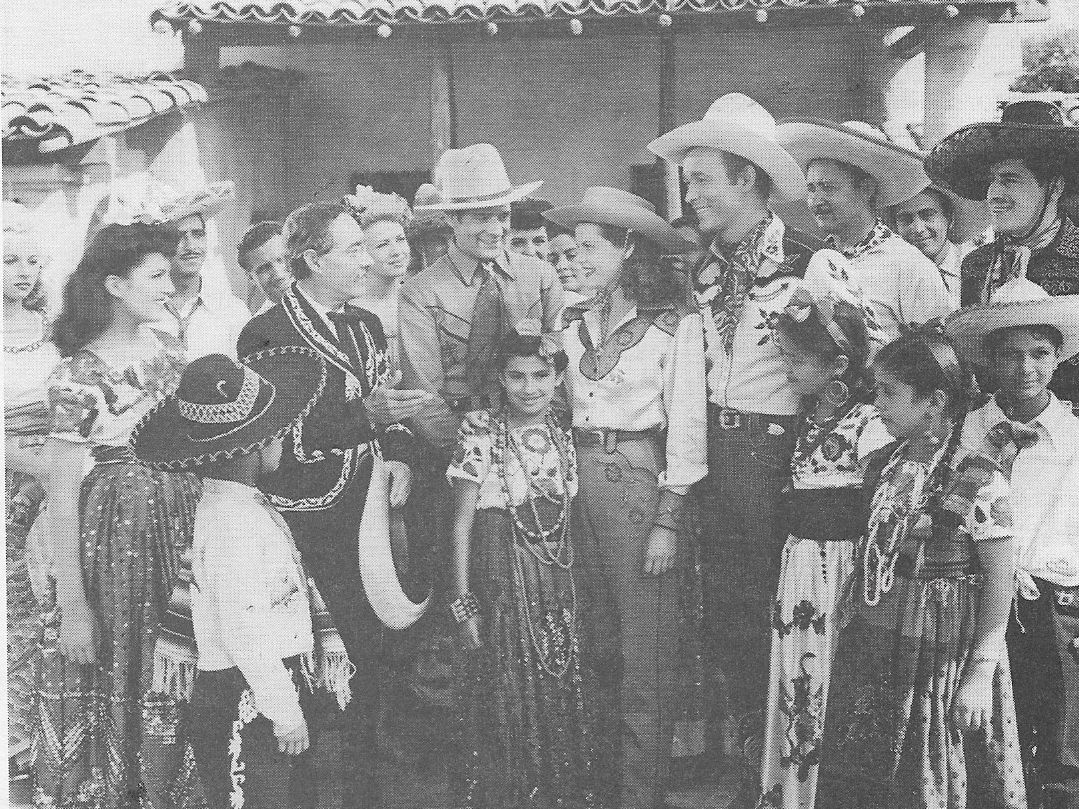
[(106, 718), (921, 713)]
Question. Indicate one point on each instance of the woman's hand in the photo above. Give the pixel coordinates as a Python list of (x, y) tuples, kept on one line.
[(973, 707), (295, 741), (470, 633), (660, 554), (78, 632)]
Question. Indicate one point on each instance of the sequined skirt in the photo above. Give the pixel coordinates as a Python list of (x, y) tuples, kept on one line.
[(102, 737)]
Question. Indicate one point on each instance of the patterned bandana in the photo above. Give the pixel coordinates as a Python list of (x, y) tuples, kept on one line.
[(1011, 258), (879, 233), (725, 282)]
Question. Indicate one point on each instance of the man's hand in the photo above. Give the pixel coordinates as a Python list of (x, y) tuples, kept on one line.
[(385, 405), (400, 482), (662, 545), (79, 637), (295, 741)]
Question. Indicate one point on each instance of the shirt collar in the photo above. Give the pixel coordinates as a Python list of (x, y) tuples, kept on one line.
[(878, 234), (319, 309), (1056, 421), (230, 489), (465, 267), (764, 241)]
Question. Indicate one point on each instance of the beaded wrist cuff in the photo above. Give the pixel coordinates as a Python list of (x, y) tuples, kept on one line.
[(465, 607)]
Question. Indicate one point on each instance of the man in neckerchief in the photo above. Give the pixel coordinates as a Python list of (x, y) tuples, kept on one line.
[(333, 456), (852, 172), (1022, 166), (732, 163)]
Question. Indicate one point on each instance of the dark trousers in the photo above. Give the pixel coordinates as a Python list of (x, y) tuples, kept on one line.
[(741, 540), (327, 541), (1045, 671), (236, 751)]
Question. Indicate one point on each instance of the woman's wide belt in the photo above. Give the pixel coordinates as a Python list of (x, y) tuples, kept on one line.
[(610, 439)]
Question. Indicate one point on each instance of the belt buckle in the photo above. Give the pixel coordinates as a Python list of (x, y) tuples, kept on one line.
[(729, 419), (1065, 598)]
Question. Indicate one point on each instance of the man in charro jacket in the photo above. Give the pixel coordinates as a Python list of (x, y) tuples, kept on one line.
[(1022, 166), (322, 484)]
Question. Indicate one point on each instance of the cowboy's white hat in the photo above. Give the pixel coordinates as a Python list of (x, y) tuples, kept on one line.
[(737, 124), (613, 206), (1019, 302), (473, 178), (898, 171)]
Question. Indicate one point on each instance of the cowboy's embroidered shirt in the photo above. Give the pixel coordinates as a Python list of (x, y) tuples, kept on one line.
[(209, 324), (752, 376), (902, 284), (434, 321), (648, 375), (249, 599), (1046, 513), (542, 472)]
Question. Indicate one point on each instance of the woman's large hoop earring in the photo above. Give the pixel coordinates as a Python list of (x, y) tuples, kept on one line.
[(836, 392)]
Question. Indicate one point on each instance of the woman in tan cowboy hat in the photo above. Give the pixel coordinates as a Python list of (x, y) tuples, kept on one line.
[(637, 389)]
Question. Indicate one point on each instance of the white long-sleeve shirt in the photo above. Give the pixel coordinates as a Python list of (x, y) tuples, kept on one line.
[(249, 600)]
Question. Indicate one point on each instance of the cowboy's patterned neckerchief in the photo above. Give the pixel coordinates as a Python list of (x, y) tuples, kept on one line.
[(724, 283), (1011, 257), (878, 234)]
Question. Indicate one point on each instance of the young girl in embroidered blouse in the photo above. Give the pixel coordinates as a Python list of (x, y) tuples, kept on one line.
[(825, 336), (922, 713), (524, 739)]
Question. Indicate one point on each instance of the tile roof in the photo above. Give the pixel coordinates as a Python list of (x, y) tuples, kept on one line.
[(339, 13), (54, 113)]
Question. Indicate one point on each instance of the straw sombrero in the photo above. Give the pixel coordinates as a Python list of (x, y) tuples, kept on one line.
[(602, 205), (152, 203), (897, 171), (737, 124), (1019, 302), (223, 409), (472, 179), (1027, 129)]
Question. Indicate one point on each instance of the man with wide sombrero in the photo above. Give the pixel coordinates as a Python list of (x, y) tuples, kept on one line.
[(733, 164), (853, 172), (1022, 166)]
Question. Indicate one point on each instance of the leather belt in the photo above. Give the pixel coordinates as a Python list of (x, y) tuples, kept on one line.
[(730, 420), (610, 439)]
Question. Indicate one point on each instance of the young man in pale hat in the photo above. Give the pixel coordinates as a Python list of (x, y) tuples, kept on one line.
[(732, 164), (852, 172), (332, 478), (261, 255), (1022, 166), (1021, 337)]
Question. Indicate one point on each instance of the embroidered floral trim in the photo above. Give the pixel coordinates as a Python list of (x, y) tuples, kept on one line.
[(246, 712), (879, 233), (349, 457)]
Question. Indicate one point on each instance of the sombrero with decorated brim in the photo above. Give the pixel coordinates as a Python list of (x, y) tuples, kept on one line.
[(223, 409), (1019, 302), (602, 205), (1027, 129), (898, 172), (737, 124), (474, 178)]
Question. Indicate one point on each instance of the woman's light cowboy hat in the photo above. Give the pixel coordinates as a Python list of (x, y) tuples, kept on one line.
[(737, 124), (613, 206), (897, 171), (474, 178), (1019, 302)]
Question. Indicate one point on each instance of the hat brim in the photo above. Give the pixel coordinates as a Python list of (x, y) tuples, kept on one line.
[(206, 202), (512, 195), (898, 172), (968, 328), (961, 161), (787, 177), (162, 438), (970, 217), (650, 225)]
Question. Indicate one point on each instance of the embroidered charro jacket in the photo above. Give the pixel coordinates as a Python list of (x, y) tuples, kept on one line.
[(325, 450), (1054, 268)]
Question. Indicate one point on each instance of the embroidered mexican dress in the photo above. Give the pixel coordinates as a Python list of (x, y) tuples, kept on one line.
[(889, 741), (824, 514), (524, 733), (28, 360), (105, 737)]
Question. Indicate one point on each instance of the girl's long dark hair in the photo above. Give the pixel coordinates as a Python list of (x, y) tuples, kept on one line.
[(927, 362), (114, 250)]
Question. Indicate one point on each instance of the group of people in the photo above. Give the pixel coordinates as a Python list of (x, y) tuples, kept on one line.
[(864, 443)]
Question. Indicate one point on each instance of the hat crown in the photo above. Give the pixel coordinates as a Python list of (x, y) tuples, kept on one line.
[(602, 196), (1019, 290), (1032, 111), (473, 173), (742, 111), (212, 379)]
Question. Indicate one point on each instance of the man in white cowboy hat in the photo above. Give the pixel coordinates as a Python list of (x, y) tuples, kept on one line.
[(1021, 337), (943, 226), (852, 172), (732, 164), (1022, 166)]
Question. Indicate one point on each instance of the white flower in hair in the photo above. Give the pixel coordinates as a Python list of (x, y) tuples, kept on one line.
[(368, 205)]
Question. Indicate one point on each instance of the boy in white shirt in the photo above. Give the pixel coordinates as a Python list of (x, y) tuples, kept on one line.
[(1020, 339), (250, 597)]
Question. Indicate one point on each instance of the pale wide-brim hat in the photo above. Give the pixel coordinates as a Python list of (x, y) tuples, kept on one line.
[(1019, 302), (152, 203), (474, 178), (898, 172), (737, 124), (602, 205)]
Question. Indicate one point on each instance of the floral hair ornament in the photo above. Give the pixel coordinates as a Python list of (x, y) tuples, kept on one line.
[(548, 343), (142, 200), (368, 206)]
